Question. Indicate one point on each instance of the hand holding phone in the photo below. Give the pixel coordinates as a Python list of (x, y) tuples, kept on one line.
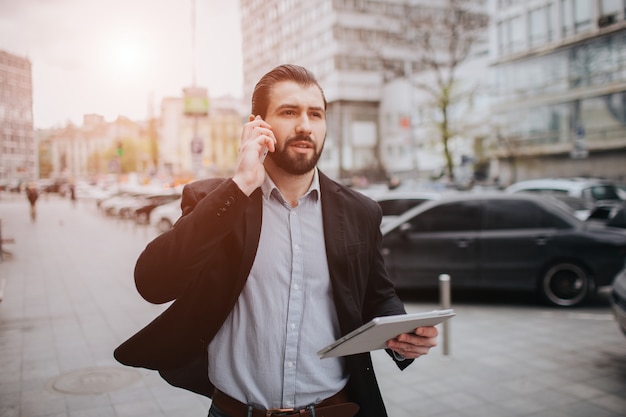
[(257, 139), (264, 154)]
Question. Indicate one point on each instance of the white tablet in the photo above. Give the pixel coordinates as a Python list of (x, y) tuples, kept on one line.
[(374, 334)]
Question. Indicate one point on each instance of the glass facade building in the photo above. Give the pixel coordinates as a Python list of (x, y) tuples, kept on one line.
[(560, 84)]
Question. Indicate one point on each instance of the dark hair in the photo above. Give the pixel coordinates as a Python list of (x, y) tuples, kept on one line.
[(287, 72)]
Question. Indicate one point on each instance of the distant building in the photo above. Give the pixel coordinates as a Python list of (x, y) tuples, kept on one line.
[(157, 150), (87, 151), (214, 149), (362, 54), (18, 150), (560, 85)]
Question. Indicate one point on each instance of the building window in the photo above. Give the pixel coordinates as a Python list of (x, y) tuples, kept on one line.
[(517, 33), (582, 16), (609, 12), (503, 37), (537, 27), (611, 7), (551, 24), (567, 13)]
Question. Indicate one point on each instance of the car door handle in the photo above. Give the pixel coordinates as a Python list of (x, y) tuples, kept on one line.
[(541, 240), (463, 243)]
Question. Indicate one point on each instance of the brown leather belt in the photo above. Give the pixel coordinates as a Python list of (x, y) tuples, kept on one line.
[(335, 406)]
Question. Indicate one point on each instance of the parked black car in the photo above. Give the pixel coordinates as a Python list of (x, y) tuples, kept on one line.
[(503, 241)]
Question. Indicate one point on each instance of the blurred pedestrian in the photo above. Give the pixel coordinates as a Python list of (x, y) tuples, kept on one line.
[(32, 194), (73, 192)]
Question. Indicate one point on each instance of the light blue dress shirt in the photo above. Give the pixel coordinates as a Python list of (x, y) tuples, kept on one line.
[(265, 354)]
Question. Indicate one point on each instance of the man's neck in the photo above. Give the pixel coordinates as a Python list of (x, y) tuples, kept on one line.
[(292, 187)]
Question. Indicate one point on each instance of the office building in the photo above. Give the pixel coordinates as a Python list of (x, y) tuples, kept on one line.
[(360, 51), (560, 88), (18, 150)]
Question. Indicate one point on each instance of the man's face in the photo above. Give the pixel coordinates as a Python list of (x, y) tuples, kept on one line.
[(298, 120)]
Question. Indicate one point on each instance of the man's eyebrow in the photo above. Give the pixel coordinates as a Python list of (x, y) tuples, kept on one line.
[(296, 106)]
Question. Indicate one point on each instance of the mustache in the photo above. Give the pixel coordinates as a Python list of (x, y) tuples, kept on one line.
[(300, 138)]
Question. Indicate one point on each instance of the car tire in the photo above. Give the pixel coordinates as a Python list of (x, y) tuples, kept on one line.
[(142, 218), (566, 284), (164, 225)]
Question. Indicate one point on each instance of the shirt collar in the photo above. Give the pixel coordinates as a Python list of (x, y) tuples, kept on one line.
[(268, 186)]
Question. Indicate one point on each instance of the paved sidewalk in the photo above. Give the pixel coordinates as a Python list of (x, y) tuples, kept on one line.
[(69, 300)]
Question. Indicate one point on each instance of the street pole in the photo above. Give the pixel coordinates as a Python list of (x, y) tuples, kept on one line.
[(444, 295)]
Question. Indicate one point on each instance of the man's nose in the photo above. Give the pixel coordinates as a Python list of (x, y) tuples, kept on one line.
[(304, 125)]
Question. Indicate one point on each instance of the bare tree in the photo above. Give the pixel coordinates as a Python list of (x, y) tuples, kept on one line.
[(444, 37)]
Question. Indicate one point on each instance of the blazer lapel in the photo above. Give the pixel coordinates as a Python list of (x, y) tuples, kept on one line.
[(251, 233), (334, 211)]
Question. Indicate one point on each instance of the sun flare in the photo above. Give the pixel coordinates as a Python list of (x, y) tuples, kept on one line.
[(126, 57)]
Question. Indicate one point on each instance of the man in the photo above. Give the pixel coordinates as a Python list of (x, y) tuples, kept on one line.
[(268, 267)]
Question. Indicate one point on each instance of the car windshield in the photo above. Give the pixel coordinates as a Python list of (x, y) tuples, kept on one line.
[(603, 192)]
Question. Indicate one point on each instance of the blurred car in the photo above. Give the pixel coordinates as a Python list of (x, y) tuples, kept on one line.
[(164, 216), (394, 203), (143, 207), (593, 190), (105, 202), (91, 192), (112, 206), (503, 241), (618, 301)]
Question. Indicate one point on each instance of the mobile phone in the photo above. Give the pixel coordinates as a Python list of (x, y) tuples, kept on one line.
[(264, 154)]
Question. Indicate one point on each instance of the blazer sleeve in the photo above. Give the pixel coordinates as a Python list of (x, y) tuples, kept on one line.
[(173, 260)]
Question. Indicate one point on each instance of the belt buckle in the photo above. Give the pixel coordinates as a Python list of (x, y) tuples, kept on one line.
[(279, 412)]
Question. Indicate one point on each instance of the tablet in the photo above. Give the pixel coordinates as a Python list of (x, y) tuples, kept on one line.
[(374, 334)]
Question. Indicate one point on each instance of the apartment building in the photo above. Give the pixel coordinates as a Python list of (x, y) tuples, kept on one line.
[(560, 88), (18, 150), (360, 51)]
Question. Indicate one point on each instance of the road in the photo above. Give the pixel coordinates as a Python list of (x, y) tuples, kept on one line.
[(69, 300)]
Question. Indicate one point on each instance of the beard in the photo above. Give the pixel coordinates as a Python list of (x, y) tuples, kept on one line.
[(298, 164)]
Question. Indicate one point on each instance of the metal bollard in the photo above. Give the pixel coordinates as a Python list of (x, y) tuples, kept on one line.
[(444, 298)]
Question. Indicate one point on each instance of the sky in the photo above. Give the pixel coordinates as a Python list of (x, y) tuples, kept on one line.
[(121, 57)]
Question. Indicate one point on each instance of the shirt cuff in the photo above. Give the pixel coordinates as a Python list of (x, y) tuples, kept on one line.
[(397, 356)]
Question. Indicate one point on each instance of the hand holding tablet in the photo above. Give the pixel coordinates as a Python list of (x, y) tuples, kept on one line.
[(375, 334)]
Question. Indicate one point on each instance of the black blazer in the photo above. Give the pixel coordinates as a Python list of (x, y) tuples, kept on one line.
[(203, 262)]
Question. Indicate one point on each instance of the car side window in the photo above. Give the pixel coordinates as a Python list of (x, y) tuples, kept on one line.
[(517, 214), (512, 214), (399, 206), (457, 216)]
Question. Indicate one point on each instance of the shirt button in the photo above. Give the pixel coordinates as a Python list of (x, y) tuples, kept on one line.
[(293, 325), (296, 287), (296, 246), (290, 364)]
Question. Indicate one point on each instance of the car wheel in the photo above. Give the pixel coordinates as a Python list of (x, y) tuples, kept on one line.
[(142, 218), (164, 225), (566, 285)]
